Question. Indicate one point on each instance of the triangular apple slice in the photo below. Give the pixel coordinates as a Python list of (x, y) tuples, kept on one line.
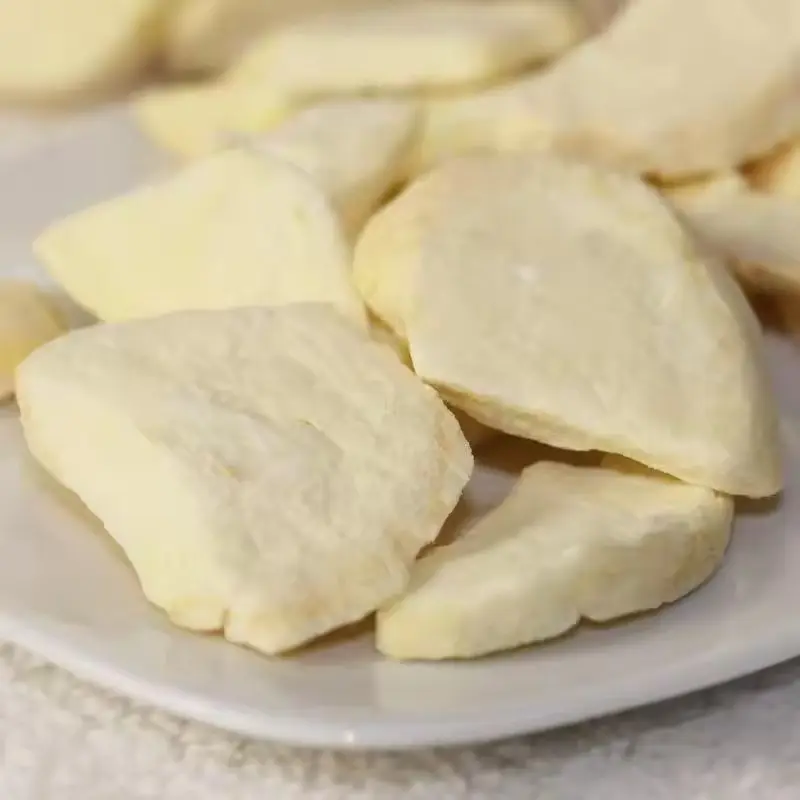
[(235, 229), (271, 473), (565, 303)]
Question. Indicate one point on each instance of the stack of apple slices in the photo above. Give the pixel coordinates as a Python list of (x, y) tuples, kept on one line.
[(274, 470), (301, 333)]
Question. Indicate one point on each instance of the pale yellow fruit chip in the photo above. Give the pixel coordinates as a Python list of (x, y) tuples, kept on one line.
[(60, 51), (235, 229), (758, 232), (670, 88), (28, 319), (356, 150), (409, 46), (269, 472), (193, 121), (569, 543), (564, 303)]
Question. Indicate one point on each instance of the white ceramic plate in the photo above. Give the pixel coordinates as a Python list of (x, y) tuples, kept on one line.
[(66, 591)]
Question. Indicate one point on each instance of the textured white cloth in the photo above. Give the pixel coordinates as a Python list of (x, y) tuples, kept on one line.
[(63, 740)]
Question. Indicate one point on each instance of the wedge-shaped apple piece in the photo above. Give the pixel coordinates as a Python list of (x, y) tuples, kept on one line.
[(561, 302), (356, 150), (409, 46), (57, 51), (235, 229), (194, 121), (758, 232), (268, 472), (569, 543), (28, 319), (668, 88)]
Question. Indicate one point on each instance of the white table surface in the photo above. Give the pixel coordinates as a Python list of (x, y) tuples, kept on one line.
[(61, 739)]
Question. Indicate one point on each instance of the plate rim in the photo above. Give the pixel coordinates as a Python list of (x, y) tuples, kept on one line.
[(750, 657)]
